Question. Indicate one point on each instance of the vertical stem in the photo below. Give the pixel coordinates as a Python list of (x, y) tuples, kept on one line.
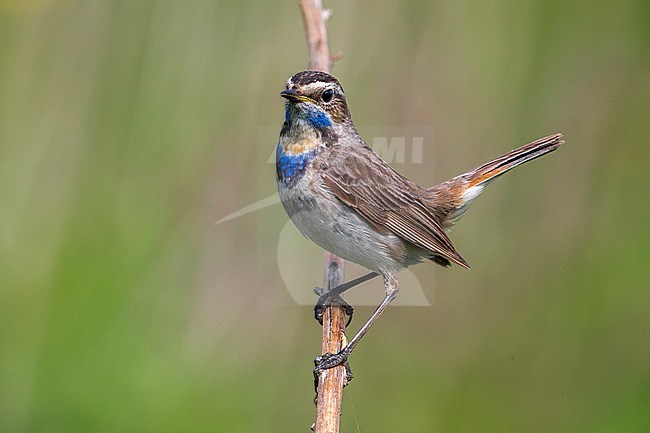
[(330, 382), (314, 17)]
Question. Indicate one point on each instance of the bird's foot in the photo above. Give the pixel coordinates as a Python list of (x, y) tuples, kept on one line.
[(331, 298), (331, 360)]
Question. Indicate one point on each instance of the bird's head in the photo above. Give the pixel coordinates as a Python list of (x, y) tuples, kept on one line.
[(315, 100)]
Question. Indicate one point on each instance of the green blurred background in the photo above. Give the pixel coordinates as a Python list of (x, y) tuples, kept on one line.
[(127, 129)]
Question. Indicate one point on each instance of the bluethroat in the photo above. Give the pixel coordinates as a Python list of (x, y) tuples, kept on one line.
[(345, 198)]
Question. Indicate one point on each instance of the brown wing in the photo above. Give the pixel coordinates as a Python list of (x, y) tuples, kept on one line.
[(389, 201)]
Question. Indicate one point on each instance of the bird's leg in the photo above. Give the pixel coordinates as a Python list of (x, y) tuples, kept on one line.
[(329, 360), (333, 297)]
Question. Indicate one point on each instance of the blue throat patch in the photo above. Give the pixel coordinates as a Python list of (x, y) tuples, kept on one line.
[(315, 117), (318, 119), (290, 168)]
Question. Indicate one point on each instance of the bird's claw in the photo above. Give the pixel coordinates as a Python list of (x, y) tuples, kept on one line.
[(328, 299), (331, 360)]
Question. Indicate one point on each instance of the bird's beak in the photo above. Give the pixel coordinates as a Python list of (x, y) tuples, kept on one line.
[(294, 96)]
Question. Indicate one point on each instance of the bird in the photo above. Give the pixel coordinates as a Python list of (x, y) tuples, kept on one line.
[(342, 196)]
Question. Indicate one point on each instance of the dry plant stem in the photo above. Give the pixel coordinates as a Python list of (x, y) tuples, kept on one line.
[(314, 18), (331, 381)]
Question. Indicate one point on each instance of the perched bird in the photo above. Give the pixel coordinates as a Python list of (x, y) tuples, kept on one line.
[(345, 198)]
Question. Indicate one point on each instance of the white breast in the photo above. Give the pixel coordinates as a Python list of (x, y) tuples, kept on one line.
[(325, 220)]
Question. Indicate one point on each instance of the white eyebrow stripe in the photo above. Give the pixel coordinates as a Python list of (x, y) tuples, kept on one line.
[(320, 85)]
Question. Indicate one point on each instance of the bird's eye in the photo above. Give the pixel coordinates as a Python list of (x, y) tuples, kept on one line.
[(327, 95)]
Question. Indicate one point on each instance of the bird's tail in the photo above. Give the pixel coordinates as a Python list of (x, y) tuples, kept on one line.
[(491, 170), (452, 197)]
